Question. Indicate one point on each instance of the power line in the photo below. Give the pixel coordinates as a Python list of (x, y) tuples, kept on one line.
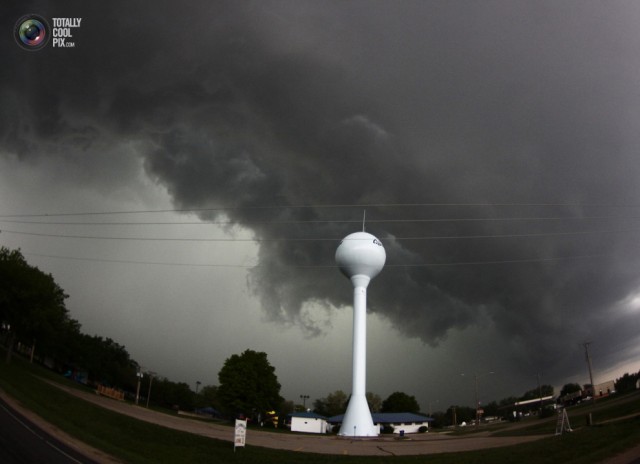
[(311, 239), (3, 219), (328, 206), (318, 221), (323, 266), (128, 261), (504, 261)]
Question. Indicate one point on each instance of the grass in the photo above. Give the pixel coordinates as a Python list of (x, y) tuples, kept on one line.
[(605, 409), (134, 441)]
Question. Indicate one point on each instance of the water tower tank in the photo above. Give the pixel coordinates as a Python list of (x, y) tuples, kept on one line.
[(360, 253)]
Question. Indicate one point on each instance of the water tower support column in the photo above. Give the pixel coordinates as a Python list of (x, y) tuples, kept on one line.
[(357, 420), (359, 334)]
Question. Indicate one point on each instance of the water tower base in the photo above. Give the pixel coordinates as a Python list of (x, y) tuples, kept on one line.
[(357, 420)]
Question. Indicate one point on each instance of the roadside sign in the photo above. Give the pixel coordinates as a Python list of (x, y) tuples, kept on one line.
[(240, 433)]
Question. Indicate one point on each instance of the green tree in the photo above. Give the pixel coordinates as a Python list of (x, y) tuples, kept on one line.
[(544, 390), (335, 403), (441, 419), (164, 392), (569, 388), (374, 401), (31, 303), (104, 360), (626, 383), (400, 402), (208, 396), (491, 409), (286, 408), (460, 413), (248, 384), (66, 345)]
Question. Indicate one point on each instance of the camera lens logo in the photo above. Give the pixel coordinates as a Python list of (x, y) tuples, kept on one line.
[(32, 32)]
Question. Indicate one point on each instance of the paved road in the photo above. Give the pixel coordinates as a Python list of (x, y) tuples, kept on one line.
[(23, 442)]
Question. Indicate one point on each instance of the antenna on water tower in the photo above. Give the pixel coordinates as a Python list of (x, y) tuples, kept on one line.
[(364, 218)]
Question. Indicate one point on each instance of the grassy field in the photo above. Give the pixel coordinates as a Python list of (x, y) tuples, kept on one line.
[(134, 441), (605, 409)]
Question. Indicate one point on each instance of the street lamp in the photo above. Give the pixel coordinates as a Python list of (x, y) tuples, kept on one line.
[(197, 385), (304, 401)]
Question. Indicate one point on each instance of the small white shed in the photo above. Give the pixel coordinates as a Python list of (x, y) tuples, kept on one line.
[(308, 422)]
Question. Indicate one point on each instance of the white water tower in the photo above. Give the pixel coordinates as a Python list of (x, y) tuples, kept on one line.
[(360, 257)]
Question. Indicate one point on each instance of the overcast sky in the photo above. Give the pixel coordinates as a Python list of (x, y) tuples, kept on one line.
[(494, 146)]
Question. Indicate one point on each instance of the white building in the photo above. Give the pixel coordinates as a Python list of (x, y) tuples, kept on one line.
[(308, 422), (405, 422), (399, 422)]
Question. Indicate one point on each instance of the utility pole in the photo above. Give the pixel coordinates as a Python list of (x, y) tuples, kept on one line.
[(588, 358), (151, 374), (477, 405), (477, 422), (139, 375)]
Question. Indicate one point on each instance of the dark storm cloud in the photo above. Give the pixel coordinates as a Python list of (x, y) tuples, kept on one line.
[(248, 106)]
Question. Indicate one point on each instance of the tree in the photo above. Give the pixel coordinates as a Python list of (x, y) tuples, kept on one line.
[(169, 394), (286, 408), (534, 393), (460, 414), (67, 341), (31, 303), (104, 360), (208, 396), (491, 409), (374, 401), (626, 383), (569, 388), (335, 403), (400, 402), (248, 384)]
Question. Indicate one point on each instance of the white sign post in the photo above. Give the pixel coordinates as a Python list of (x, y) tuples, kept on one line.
[(240, 434)]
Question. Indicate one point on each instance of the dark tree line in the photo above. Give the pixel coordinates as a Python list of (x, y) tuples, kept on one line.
[(35, 320), (32, 309), (33, 316), (627, 383)]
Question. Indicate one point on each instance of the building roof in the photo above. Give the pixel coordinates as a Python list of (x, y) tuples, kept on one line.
[(307, 415), (389, 418)]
